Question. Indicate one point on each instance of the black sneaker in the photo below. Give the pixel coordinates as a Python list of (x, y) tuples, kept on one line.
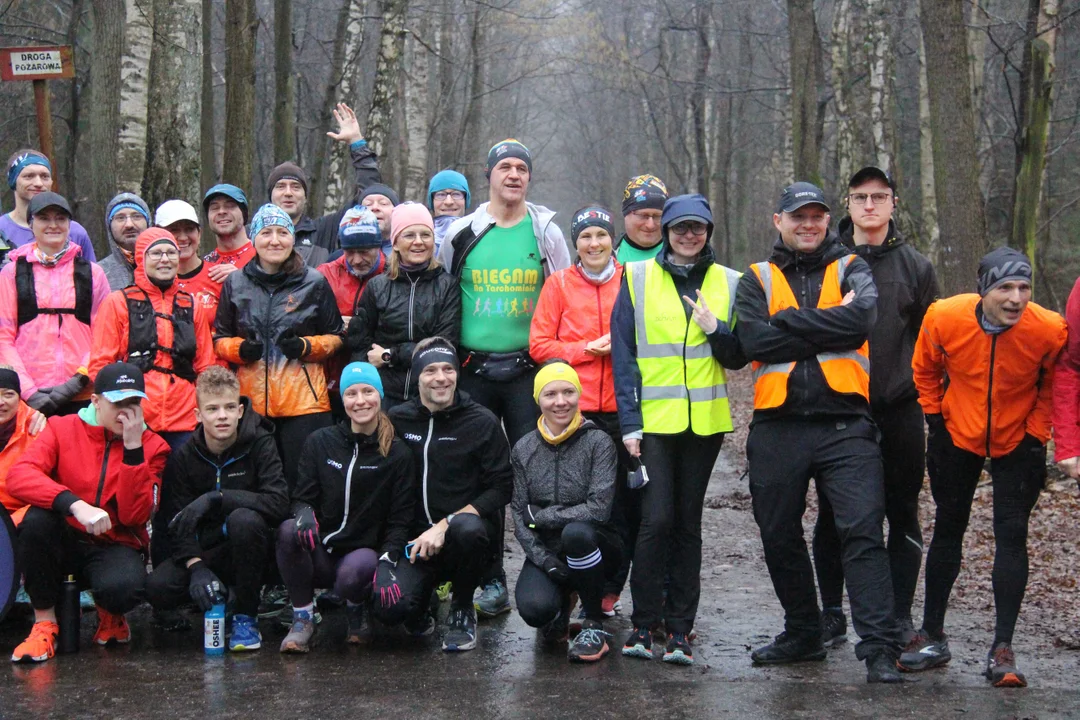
[(678, 650), (881, 668), (360, 631), (420, 626), (590, 644), (833, 628), (924, 652), (639, 644), (460, 630), (558, 630), (1001, 668), (789, 649), (170, 621), (273, 602), (907, 631)]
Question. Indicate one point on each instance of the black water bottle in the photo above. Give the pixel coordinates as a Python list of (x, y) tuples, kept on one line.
[(70, 616)]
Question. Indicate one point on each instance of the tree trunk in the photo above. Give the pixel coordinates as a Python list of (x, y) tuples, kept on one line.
[(240, 31), (137, 22), (284, 95), (806, 70), (840, 43), (75, 131), (956, 164), (699, 98), (470, 160), (391, 44), (446, 119), (104, 111), (340, 177), (208, 172), (931, 232), (418, 112), (879, 52)]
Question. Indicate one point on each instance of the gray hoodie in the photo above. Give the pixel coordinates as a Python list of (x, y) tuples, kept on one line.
[(118, 271)]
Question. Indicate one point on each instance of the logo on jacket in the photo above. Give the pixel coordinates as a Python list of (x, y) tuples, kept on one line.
[(335, 463), (237, 474), (412, 437)]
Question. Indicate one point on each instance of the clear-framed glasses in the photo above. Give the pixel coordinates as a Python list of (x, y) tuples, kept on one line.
[(157, 255), (878, 198), (449, 195), (646, 215)]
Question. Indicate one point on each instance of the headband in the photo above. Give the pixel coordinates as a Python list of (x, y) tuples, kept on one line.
[(20, 163), (435, 353), (551, 373)]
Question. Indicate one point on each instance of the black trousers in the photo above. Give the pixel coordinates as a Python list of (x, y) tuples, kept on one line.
[(512, 402), (626, 510), (1018, 478), (290, 434), (903, 443), (49, 549), (843, 454), (465, 555), (238, 559), (592, 553), (669, 539)]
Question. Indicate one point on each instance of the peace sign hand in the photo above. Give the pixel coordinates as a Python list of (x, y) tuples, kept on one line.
[(702, 315)]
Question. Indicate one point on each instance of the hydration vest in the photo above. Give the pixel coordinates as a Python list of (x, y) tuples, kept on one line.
[(143, 344), (27, 304)]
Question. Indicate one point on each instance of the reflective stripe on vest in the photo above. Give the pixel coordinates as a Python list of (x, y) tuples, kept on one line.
[(682, 385), (845, 372)]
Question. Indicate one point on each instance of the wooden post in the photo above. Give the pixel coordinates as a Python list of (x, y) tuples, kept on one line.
[(44, 124)]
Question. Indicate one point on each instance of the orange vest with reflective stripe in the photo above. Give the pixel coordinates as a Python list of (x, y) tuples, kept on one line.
[(845, 372)]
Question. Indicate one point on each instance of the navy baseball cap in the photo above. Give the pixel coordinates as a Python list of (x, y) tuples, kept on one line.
[(43, 200), (871, 172), (799, 194), (119, 381)]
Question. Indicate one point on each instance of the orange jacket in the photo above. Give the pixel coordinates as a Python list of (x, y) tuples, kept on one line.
[(571, 313), (1004, 380), (12, 452), (170, 400)]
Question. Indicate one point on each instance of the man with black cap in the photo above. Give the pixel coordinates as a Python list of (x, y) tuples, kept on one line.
[(226, 209), (501, 254), (804, 318), (93, 481), (642, 207), (984, 368), (126, 215), (906, 286)]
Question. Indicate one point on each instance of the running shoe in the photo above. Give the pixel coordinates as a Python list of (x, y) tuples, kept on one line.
[(301, 637), (924, 652), (590, 644), (460, 630), (170, 620), (244, 634), (611, 605), (422, 625), (833, 628), (493, 599), (274, 600), (111, 628), (881, 668), (907, 631), (1001, 667), (787, 648), (444, 590), (284, 616), (639, 644), (329, 599), (678, 650), (360, 631), (39, 646)]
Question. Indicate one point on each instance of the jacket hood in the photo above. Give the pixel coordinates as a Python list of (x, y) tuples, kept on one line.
[(147, 238), (481, 218), (845, 232), (124, 197), (252, 425), (682, 206)]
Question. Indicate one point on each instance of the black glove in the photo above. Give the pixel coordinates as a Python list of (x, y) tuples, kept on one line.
[(556, 569), (186, 522), (354, 335), (386, 583), (62, 393), (205, 588), (292, 345), (251, 349), (307, 527), (530, 515), (42, 402)]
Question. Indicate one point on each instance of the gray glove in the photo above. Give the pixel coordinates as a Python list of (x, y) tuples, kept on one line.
[(63, 392), (42, 402)]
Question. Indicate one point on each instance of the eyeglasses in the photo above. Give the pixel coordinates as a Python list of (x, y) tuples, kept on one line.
[(647, 215), (449, 195), (684, 228), (879, 198), (125, 218), (156, 255)]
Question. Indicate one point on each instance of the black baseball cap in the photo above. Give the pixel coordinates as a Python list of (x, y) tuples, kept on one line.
[(799, 194), (46, 200), (119, 381), (872, 172)]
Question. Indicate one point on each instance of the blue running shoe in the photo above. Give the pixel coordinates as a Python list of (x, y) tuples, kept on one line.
[(493, 599), (245, 634)]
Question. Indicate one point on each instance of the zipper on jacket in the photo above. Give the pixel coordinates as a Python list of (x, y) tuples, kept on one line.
[(427, 442), (266, 355), (412, 298), (558, 473), (603, 358), (348, 494), (990, 392), (104, 469)]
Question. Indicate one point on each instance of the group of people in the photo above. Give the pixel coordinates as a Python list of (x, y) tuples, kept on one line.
[(349, 403)]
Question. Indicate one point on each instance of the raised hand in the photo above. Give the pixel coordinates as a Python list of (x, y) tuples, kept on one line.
[(348, 126)]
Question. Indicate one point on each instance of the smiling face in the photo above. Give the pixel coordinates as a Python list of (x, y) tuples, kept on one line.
[(274, 245), (126, 226), (381, 207), (448, 202), (33, 179), (687, 239), (161, 262), (187, 238), (509, 181), (558, 404), (415, 245), (804, 229), (224, 215), (1004, 305), (594, 249), (437, 383), (219, 413), (362, 403), (9, 405), (643, 227), (288, 194), (51, 227)]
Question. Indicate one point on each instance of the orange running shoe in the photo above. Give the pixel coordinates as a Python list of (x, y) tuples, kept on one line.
[(40, 646), (111, 628)]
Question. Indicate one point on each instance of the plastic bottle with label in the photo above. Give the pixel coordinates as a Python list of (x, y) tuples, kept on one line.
[(214, 630)]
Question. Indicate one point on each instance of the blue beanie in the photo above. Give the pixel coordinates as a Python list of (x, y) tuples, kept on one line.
[(447, 180), (268, 215), (359, 229), (360, 372)]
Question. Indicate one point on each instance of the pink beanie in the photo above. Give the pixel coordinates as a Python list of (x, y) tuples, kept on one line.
[(408, 214)]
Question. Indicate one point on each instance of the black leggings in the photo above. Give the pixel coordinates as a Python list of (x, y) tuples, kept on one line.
[(290, 433), (1018, 478), (592, 554), (626, 510)]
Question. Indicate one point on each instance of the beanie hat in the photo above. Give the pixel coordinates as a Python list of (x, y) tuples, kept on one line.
[(1002, 265), (644, 192), (360, 373), (552, 372), (230, 191), (407, 214), (591, 216), (286, 171), (359, 229), (271, 215), (379, 189), (447, 180), (504, 149), (124, 200)]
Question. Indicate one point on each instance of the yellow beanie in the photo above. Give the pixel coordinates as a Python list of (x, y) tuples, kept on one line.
[(551, 373)]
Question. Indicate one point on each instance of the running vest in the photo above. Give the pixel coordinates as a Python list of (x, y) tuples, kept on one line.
[(845, 372), (682, 384), (143, 344), (27, 305)]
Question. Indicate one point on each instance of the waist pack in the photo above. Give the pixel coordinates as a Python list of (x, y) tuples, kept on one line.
[(498, 367)]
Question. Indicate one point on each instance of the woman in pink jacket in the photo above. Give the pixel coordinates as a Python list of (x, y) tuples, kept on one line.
[(49, 294)]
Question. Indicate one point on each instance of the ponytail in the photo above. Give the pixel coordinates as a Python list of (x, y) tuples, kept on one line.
[(385, 431)]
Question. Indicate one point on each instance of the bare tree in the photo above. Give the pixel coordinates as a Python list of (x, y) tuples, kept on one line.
[(418, 111), (108, 19), (134, 92), (284, 95), (240, 29), (806, 69), (391, 44)]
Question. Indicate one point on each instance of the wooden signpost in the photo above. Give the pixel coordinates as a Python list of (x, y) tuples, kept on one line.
[(39, 64)]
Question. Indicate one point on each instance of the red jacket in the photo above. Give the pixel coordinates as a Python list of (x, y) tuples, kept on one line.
[(1066, 409), (74, 458), (11, 452), (346, 286), (572, 312)]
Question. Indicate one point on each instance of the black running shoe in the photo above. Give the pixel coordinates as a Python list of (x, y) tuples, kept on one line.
[(833, 628), (359, 625), (420, 626), (1001, 668), (678, 650), (460, 630), (924, 652), (881, 668), (789, 649), (639, 644), (590, 644)]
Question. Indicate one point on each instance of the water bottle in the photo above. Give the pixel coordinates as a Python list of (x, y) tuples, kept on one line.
[(70, 616), (214, 630)]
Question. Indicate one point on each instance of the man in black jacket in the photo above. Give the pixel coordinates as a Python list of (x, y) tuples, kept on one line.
[(227, 489), (464, 481), (906, 286), (804, 316)]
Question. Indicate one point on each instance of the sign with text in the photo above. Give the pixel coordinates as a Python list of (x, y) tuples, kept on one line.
[(36, 63)]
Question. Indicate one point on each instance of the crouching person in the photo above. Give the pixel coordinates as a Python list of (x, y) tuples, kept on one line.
[(227, 490), (92, 481), (352, 507), (564, 487)]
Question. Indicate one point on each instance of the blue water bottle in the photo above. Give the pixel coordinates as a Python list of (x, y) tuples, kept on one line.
[(214, 630)]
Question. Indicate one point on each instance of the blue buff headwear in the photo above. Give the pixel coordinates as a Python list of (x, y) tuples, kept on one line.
[(128, 206), (360, 372), (271, 215), (21, 162)]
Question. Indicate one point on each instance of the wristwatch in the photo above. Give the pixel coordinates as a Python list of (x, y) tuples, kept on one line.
[(450, 519), (386, 356)]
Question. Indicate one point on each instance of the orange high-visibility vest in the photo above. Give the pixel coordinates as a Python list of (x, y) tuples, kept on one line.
[(845, 372)]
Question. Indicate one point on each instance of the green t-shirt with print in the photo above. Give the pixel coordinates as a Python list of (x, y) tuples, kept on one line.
[(628, 253)]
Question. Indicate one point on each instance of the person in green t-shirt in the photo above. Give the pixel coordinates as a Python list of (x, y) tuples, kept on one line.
[(643, 202)]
